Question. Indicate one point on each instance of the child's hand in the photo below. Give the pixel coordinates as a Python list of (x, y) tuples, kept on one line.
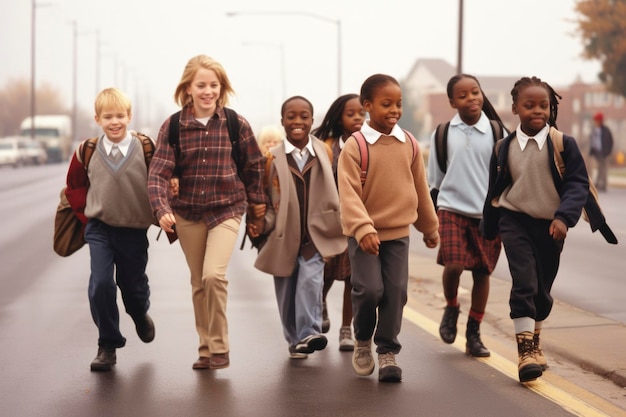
[(167, 222), (174, 186), (370, 244), (431, 240), (256, 211), (558, 230), (255, 219)]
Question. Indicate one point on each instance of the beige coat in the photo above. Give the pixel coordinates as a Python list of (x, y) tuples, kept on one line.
[(279, 254)]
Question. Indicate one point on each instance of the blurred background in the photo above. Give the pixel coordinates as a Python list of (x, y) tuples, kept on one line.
[(58, 54)]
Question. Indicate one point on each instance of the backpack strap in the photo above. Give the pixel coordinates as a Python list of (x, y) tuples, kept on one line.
[(497, 129), (441, 146), (87, 149), (232, 121), (364, 152), (148, 147)]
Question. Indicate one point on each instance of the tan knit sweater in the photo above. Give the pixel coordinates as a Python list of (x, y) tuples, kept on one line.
[(394, 196)]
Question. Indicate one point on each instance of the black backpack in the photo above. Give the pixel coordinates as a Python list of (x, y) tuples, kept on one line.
[(233, 133), (441, 141)]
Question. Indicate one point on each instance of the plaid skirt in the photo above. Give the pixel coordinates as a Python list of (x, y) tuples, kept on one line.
[(338, 267), (461, 243)]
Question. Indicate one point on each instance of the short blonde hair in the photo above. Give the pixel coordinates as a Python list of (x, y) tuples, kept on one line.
[(181, 96), (269, 134), (112, 98)]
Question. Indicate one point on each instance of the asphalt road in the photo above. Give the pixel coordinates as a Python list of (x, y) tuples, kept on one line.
[(48, 341)]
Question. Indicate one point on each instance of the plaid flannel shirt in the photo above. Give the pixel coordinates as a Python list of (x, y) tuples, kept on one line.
[(210, 187)]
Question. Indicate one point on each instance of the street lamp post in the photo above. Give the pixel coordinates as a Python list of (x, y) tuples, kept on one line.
[(459, 58), (33, 31), (283, 74), (336, 22)]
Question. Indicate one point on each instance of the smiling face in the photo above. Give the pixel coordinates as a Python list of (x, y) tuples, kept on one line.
[(352, 117), (533, 108), (297, 120), (385, 108), (467, 99), (114, 122), (204, 90)]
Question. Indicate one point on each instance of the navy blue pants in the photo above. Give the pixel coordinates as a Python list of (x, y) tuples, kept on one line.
[(533, 257), (119, 257)]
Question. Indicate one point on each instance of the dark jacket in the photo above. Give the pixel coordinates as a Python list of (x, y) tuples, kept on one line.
[(573, 188), (606, 137)]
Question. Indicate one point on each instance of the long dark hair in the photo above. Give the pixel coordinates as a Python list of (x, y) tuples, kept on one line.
[(332, 126)]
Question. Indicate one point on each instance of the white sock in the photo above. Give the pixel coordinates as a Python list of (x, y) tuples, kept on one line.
[(524, 324)]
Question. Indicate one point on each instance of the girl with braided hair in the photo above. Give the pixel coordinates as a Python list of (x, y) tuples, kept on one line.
[(532, 208)]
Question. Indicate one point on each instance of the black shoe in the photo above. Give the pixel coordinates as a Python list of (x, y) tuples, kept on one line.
[(105, 360), (311, 343), (145, 328), (447, 328), (474, 346)]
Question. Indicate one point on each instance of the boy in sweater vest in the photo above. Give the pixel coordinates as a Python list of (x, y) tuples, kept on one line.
[(110, 196)]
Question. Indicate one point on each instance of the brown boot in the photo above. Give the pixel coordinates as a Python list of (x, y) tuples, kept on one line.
[(541, 360), (527, 368)]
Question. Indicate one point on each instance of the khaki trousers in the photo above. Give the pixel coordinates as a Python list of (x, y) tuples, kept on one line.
[(208, 253)]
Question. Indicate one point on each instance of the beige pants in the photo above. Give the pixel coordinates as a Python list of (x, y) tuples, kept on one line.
[(208, 253)]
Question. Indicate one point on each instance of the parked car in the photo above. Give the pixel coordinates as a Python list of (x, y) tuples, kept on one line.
[(12, 152), (35, 152)]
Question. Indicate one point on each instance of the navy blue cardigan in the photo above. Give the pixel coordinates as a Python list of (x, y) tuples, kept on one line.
[(573, 188)]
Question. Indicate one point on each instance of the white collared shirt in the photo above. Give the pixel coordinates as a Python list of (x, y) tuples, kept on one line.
[(300, 155), (372, 135), (122, 146), (540, 137)]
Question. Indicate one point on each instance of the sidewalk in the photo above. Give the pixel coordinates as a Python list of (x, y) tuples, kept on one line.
[(594, 343)]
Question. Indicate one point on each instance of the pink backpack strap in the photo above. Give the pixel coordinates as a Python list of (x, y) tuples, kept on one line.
[(413, 143), (364, 151)]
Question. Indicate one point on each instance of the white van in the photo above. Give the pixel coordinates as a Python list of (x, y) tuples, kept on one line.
[(54, 132), (12, 152)]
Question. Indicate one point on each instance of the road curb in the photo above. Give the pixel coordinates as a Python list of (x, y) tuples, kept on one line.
[(593, 343)]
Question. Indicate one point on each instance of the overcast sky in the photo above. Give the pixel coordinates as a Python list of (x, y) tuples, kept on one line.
[(145, 44)]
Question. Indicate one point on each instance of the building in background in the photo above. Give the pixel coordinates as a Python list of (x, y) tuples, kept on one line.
[(426, 86)]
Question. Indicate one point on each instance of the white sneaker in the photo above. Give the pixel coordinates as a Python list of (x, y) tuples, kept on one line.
[(362, 360), (346, 343)]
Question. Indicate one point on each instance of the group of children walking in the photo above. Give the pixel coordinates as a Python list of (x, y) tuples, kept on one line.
[(335, 203)]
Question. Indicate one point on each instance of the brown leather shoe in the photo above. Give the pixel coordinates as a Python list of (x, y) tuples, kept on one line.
[(202, 363), (219, 360), (145, 328), (105, 360)]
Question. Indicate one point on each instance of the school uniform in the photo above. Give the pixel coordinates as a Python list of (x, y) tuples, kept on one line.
[(386, 204), (521, 204), (118, 214), (304, 227)]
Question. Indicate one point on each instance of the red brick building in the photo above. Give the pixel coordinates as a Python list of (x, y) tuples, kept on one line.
[(426, 86)]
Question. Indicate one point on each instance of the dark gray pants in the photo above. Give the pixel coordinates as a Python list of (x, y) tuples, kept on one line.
[(379, 292)]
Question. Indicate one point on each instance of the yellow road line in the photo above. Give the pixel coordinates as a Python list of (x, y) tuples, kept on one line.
[(569, 402)]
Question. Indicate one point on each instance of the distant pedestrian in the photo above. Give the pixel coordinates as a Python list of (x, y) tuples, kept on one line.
[(111, 196), (303, 227), (345, 115), (601, 148), (376, 216), (462, 188), (533, 208), (216, 187)]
